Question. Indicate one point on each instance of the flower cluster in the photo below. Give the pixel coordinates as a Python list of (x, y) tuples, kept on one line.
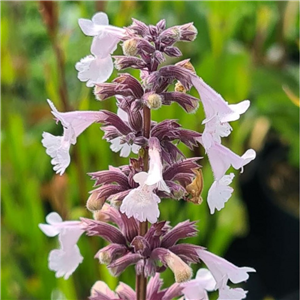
[(128, 196)]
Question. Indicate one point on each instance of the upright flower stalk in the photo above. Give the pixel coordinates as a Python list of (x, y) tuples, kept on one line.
[(125, 200)]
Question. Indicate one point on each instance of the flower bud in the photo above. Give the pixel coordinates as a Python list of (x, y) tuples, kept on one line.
[(104, 258), (95, 203), (172, 51), (99, 286), (154, 101), (170, 36), (98, 215), (124, 62), (188, 32), (130, 47), (187, 65), (181, 270)]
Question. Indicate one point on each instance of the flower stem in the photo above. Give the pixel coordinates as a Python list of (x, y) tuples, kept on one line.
[(141, 280)]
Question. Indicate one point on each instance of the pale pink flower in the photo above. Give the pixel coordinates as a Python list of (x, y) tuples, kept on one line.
[(222, 270), (227, 293), (117, 144), (196, 289), (65, 260), (141, 202), (93, 69), (74, 124), (217, 112), (214, 104), (213, 132), (219, 193), (221, 158), (98, 67)]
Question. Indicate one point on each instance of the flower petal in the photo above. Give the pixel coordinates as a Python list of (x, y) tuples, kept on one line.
[(141, 204), (100, 18), (105, 44), (88, 27), (58, 149), (229, 293), (49, 230), (219, 193), (64, 263), (221, 158), (222, 270), (53, 218)]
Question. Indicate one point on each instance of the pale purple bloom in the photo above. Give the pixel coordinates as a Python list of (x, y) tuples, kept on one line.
[(196, 289), (227, 293), (221, 158), (222, 270), (214, 104), (219, 193), (74, 124), (65, 260), (98, 67), (213, 132), (217, 112), (93, 69), (141, 202), (118, 144)]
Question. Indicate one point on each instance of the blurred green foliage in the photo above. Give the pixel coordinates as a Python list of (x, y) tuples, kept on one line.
[(244, 50)]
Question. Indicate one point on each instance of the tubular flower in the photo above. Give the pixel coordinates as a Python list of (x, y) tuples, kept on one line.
[(65, 260), (217, 112), (141, 203), (222, 270), (74, 123), (98, 67), (221, 158)]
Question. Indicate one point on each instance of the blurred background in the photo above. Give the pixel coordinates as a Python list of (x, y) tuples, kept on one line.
[(244, 50)]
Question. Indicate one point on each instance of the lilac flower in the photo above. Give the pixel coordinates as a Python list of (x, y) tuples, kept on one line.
[(218, 113), (74, 124), (196, 289), (65, 260), (98, 67), (141, 203), (222, 270), (221, 158)]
